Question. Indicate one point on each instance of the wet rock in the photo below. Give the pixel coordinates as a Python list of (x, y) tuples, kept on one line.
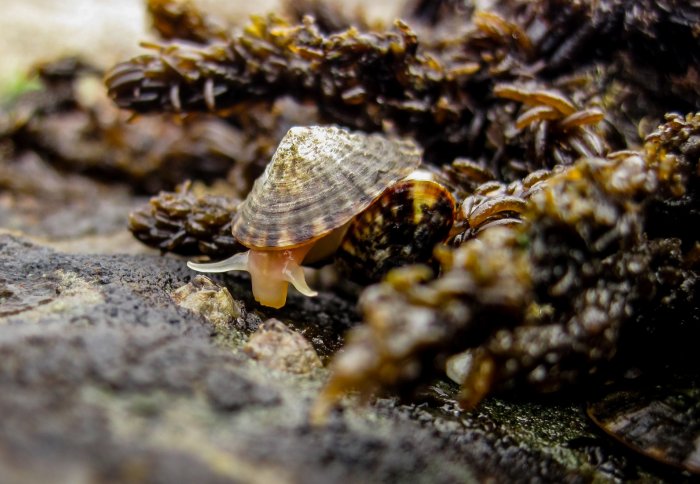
[(41, 201), (228, 390), (104, 378)]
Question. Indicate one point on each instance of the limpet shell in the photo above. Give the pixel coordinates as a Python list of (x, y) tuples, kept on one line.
[(318, 180), (660, 421)]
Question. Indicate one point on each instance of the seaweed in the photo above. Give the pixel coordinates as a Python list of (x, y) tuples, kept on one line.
[(442, 88), (187, 223), (71, 124), (364, 80), (176, 20), (544, 303)]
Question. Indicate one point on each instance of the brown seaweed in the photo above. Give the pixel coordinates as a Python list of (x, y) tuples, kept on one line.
[(177, 20), (540, 304), (363, 80), (185, 223), (73, 126), (441, 89)]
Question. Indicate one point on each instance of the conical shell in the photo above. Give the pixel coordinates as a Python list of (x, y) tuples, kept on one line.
[(319, 179)]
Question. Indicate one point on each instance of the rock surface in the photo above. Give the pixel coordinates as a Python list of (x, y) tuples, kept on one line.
[(104, 378)]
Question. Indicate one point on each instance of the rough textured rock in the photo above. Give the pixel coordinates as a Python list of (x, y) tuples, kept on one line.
[(104, 378)]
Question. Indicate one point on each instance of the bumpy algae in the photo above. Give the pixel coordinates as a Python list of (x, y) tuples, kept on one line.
[(542, 303)]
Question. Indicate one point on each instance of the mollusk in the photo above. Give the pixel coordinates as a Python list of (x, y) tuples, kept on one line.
[(318, 183)]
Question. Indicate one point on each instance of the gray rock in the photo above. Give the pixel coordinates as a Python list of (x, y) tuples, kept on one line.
[(104, 378)]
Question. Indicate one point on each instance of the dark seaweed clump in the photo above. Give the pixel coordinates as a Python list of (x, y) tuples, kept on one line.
[(372, 81), (187, 224), (442, 88), (173, 20), (72, 126), (552, 300)]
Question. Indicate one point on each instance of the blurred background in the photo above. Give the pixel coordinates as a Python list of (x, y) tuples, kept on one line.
[(105, 31)]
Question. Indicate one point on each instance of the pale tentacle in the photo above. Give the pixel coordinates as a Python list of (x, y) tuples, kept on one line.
[(294, 273), (237, 262)]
